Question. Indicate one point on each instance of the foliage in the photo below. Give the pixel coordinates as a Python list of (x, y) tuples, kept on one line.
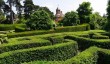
[(84, 12), (70, 19), (51, 14), (58, 52), (6, 27), (58, 30), (97, 21), (2, 17), (86, 42), (40, 20), (28, 8), (107, 26), (27, 43)]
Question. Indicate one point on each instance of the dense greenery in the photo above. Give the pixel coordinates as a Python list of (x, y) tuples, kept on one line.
[(40, 20), (84, 12), (70, 19)]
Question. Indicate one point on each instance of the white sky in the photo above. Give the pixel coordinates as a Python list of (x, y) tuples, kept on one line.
[(71, 5), (68, 5)]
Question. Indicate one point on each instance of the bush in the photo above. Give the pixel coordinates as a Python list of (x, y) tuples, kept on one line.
[(50, 53), (6, 27), (40, 20), (88, 56), (20, 29), (85, 43), (58, 30), (56, 39), (104, 56), (100, 37), (23, 45)]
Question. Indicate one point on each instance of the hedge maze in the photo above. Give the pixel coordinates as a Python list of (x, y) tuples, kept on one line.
[(66, 45)]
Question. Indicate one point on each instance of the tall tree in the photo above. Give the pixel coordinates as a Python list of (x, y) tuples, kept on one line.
[(107, 26), (1, 4), (84, 12), (19, 7), (11, 2), (28, 8)]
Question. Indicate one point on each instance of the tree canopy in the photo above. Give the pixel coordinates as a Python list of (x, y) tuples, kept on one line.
[(40, 20), (84, 12), (70, 19)]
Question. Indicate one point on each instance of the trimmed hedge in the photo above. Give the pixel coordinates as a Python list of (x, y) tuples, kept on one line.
[(63, 29), (89, 56), (83, 27), (85, 43), (56, 52), (56, 39), (6, 27), (23, 45), (104, 56), (100, 37), (20, 29)]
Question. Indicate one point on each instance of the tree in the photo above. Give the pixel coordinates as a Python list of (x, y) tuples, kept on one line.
[(51, 14), (1, 4), (107, 26), (2, 17), (39, 20), (70, 19), (28, 8), (84, 12)]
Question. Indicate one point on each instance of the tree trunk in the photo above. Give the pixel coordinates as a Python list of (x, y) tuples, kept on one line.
[(11, 12)]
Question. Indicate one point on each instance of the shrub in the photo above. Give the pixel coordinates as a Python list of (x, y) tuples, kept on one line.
[(100, 37), (56, 52), (40, 20), (85, 43), (88, 56), (23, 45), (56, 39), (104, 56), (20, 29), (63, 29), (6, 27)]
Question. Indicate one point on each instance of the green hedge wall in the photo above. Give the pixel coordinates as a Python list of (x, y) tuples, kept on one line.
[(100, 37), (6, 27), (89, 56), (23, 45), (56, 52), (63, 29), (104, 56), (85, 43), (56, 39)]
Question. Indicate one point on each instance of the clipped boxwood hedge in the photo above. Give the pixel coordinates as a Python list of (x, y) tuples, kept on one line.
[(56, 52), (6, 27), (100, 37), (38, 32), (89, 56), (104, 56), (23, 45), (85, 43), (56, 39)]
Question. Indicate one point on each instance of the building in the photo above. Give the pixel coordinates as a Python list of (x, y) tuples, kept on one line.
[(58, 15)]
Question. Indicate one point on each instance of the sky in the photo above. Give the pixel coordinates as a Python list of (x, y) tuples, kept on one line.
[(72, 5)]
